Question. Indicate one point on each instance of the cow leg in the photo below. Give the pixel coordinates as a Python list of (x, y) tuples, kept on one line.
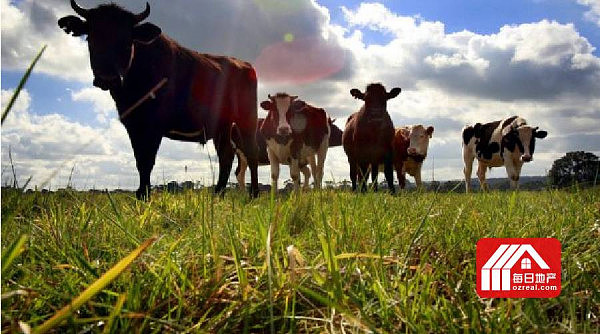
[(363, 171), (417, 176), (306, 172), (225, 154), (321, 155), (513, 171), (315, 170), (401, 178), (353, 173), (248, 136), (240, 171), (145, 146), (388, 170), (253, 164), (468, 158), (374, 174), (274, 169), (481, 169), (295, 173), (399, 167)]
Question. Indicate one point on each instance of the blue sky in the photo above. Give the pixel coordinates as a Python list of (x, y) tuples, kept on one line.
[(458, 62), (483, 17)]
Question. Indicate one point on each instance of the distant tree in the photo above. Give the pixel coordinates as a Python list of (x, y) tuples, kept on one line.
[(579, 166)]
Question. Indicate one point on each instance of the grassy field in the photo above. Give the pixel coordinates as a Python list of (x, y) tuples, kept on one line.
[(328, 261)]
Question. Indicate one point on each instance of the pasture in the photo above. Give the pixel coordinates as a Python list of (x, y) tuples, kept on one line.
[(359, 263)]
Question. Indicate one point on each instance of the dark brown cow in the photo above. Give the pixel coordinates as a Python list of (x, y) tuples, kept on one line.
[(368, 136), (295, 136), (335, 139), (335, 134), (203, 96)]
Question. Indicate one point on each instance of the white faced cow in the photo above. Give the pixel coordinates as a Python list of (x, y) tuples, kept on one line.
[(410, 150), (509, 143), (335, 139), (295, 133)]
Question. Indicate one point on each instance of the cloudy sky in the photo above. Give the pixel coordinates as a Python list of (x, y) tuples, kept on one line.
[(457, 62)]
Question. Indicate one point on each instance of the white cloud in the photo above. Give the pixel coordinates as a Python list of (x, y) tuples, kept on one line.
[(543, 43), (529, 61), (593, 14), (27, 26), (102, 102)]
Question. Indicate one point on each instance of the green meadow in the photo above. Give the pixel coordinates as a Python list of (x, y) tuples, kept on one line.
[(317, 261)]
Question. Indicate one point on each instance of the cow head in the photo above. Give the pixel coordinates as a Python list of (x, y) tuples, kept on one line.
[(375, 97), (279, 112), (112, 33), (522, 138), (335, 133), (419, 142)]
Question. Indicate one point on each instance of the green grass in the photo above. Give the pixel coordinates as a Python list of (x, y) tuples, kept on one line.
[(374, 262)]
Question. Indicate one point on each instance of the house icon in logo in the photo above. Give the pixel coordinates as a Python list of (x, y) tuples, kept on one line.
[(495, 274)]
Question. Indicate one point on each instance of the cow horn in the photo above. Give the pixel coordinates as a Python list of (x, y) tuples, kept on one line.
[(143, 15), (80, 11)]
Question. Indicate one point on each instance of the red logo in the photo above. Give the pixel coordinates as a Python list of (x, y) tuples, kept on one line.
[(518, 267)]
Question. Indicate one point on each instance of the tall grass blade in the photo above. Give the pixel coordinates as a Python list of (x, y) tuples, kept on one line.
[(12, 252), (114, 313), (417, 232), (21, 84), (93, 289), (118, 223), (270, 278)]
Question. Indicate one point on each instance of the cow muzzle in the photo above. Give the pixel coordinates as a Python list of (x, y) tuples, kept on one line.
[(284, 131), (526, 158), (106, 83), (417, 157)]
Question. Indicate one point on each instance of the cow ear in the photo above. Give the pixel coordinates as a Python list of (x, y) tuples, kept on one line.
[(266, 105), (357, 94), (146, 33), (73, 24), (430, 131), (541, 134), (477, 129), (394, 92)]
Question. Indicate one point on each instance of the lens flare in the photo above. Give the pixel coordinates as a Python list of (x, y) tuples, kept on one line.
[(301, 60)]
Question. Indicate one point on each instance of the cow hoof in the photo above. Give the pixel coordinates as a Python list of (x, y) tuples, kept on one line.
[(143, 194), (220, 192)]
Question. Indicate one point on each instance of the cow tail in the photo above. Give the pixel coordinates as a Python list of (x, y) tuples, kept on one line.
[(235, 136)]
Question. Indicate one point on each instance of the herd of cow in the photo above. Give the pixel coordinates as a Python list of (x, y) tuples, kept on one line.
[(162, 89)]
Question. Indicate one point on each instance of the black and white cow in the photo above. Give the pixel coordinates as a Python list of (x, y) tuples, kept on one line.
[(509, 142)]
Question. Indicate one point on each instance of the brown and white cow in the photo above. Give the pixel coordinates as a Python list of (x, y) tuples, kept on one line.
[(368, 136), (335, 139), (410, 150), (294, 134), (509, 142)]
